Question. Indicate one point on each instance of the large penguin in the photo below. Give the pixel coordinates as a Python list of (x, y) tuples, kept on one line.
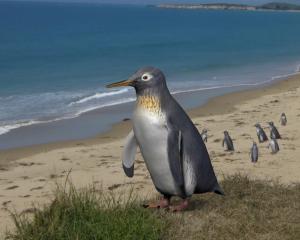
[(171, 145)]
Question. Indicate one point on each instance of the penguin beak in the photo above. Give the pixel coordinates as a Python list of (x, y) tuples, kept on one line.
[(121, 83)]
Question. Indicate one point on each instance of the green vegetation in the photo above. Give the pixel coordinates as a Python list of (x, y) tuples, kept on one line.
[(232, 6), (86, 215), (249, 210), (280, 6)]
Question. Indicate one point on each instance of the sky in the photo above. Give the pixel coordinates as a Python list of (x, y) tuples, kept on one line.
[(255, 2)]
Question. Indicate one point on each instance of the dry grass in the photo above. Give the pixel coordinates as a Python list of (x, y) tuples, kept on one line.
[(249, 210)]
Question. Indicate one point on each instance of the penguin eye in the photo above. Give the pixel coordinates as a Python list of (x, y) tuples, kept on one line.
[(146, 77)]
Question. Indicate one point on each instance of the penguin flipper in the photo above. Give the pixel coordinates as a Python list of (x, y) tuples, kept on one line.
[(175, 155), (128, 156)]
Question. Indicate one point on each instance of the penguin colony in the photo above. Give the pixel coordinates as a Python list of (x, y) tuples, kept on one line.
[(174, 151)]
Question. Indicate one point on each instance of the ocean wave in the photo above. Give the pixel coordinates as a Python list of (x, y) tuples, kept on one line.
[(117, 102), (11, 126), (7, 128), (99, 95)]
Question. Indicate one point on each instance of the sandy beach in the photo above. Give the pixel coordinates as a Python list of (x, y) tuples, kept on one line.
[(29, 175)]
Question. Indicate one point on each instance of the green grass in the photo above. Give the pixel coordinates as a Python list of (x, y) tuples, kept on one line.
[(86, 215), (249, 210)]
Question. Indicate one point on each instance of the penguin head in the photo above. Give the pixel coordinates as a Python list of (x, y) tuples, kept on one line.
[(271, 123), (145, 80), (226, 133), (257, 125)]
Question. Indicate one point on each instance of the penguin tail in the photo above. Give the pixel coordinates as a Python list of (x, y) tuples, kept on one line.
[(219, 191)]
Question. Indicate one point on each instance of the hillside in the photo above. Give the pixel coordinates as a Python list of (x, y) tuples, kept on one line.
[(227, 6)]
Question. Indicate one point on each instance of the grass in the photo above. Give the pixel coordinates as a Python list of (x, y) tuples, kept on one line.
[(250, 210), (88, 214)]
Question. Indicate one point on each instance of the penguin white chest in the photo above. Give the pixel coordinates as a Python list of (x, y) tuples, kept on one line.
[(152, 135)]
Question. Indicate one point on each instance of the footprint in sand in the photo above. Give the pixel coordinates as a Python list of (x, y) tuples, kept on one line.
[(4, 204), (26, 196), (240, 123), (12, 187), (114, 186), (80, 144), (26, 164), (36, 188), (54, 175)]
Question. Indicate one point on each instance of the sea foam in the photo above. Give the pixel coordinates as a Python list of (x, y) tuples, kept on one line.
[(99, 95)]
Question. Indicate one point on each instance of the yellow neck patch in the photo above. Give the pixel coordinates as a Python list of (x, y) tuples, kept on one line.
[(151, 103)]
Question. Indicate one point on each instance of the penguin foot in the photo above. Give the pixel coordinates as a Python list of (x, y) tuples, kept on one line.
[(181, 207), (163, 203)]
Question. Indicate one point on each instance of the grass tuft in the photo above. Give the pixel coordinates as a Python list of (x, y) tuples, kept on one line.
[(88, 214), (251, 209)]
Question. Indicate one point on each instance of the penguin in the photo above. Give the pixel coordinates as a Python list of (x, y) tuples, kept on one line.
[(262, 137), (174, 152), (254, 153), (204, 135), (274, 146), (283, 119), (227, 142), (274, 134)]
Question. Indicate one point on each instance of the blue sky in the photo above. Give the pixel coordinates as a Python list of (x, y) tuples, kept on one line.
[(169, 1)]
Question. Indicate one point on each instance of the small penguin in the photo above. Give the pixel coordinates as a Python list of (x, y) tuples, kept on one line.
[(262, 137), (254, 153), (274, 134), (274, 145), (204, 135), (283, 119), (227, 142)]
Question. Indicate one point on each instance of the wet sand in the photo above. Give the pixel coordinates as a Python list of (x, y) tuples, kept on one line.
[(30, 174)]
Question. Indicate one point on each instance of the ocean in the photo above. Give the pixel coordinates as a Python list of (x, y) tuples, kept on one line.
[(56, 58)]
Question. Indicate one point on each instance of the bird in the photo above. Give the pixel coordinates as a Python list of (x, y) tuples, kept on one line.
[(274, 134), (262, 137), (204, 135), (254, 153), (173, 150), (227, 142), (283, 119), (274, 145)]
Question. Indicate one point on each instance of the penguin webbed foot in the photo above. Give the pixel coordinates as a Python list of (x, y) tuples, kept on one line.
[(180, 207), (162, 203)]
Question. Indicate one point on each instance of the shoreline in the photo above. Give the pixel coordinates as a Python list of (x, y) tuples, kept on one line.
[(74, 128), (225, 104), (30, 175)]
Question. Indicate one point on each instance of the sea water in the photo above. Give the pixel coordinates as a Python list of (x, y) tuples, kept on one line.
[(56, 58)]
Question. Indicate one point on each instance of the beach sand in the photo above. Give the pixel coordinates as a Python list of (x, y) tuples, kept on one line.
[(30, 174)]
